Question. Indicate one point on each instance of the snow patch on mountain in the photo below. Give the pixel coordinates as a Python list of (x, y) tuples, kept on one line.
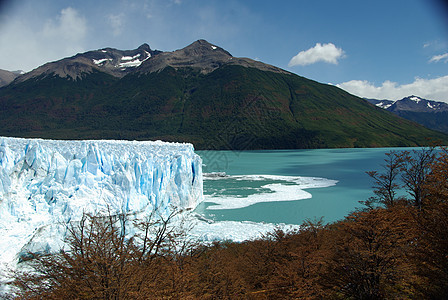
[(133, 61), (415, 98), (123, 62), (127, 64), (131, 57), (384, 105), (101, 61)]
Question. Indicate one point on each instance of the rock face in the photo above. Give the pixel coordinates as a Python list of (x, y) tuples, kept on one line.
[(6, 77), (200, 54), (204, 56)]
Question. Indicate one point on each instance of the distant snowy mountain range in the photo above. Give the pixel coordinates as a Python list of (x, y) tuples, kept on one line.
[(429, 113)]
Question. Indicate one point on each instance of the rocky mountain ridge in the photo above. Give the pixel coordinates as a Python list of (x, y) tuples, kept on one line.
[(6, 77), (429, 113), (119, 63), (411, 103)]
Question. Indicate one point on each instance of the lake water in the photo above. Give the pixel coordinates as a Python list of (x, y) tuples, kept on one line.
[(287, 186)]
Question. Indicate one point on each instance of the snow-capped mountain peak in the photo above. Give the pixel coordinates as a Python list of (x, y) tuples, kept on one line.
[(429, 113), (411, 104), (418, 104), (415, 98)]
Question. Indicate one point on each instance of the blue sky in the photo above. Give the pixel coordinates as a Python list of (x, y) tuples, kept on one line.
[(379, 49)]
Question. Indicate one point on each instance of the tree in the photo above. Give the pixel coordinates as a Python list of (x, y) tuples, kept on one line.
[(415, 173), (299, 262), (101, 262), (436, 184), (367, 258), (431, 255), (385, 184), (407, 171)]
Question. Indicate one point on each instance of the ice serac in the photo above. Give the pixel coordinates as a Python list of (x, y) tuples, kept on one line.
[(45, 184)]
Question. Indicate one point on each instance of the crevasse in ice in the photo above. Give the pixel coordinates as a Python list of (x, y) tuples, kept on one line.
[(46, 183)]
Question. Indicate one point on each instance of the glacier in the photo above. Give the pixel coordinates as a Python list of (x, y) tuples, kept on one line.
[(46, 184)]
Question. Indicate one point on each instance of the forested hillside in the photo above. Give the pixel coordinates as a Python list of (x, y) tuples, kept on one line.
[(199, 94)]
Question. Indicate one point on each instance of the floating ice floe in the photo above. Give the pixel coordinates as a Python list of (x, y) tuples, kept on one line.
[(276, 188)]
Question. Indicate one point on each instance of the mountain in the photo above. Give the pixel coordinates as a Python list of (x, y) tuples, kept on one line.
[(199, 94), (109, 61), (199, 55), (6, 77), (417, 104), (429, 113)]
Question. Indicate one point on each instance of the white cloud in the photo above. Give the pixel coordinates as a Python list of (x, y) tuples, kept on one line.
[(441, 57), (328, 53), (436, 45), (31, 45), (432, 89), (69, 26), (116, 22)]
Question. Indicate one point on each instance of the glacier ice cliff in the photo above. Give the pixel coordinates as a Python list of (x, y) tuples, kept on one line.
[(46, 184)]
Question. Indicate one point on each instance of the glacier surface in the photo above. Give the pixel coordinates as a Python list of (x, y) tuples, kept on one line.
[(46, 184)]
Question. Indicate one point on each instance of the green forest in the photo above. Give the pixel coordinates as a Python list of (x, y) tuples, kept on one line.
[(395, 247)]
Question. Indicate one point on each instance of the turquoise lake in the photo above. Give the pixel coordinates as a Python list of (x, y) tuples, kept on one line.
[(233, 177)]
